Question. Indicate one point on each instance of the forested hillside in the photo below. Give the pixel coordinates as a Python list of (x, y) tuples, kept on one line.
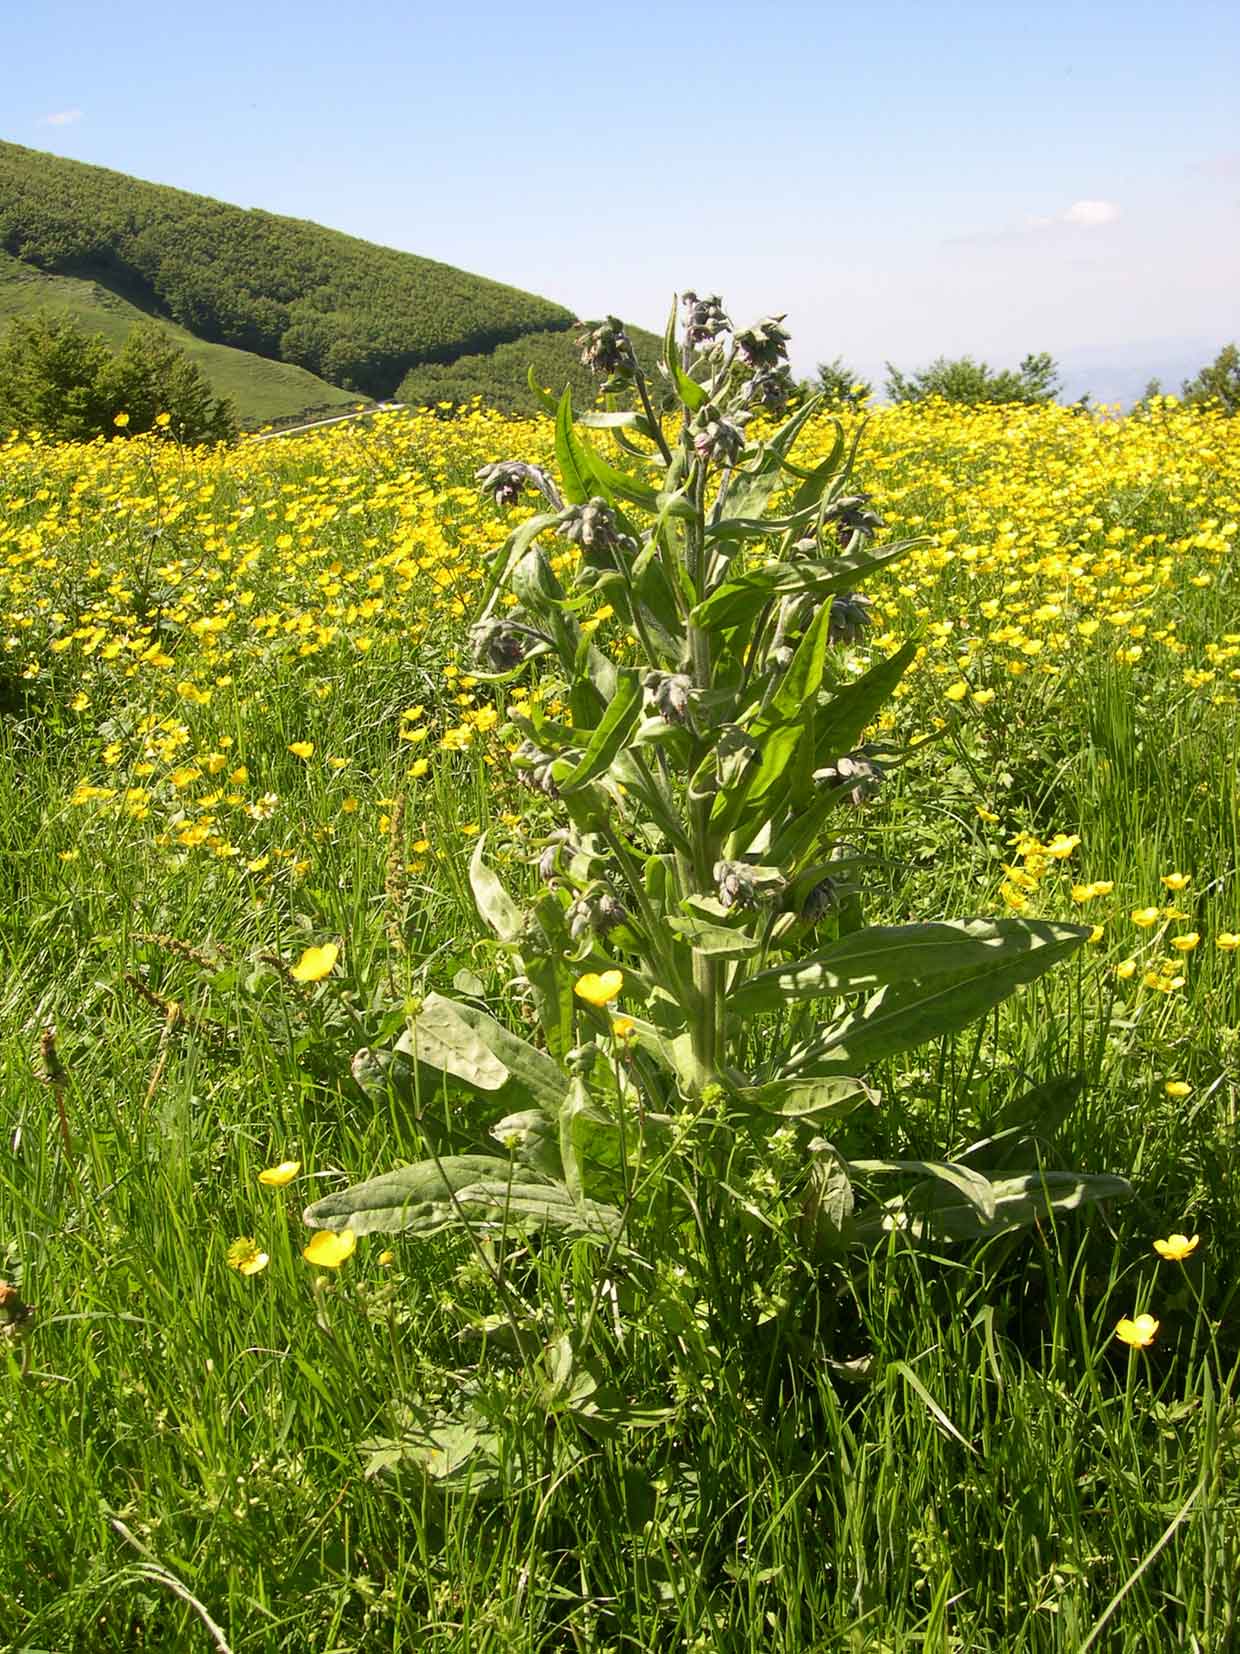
[(357, 315), (500, 377)]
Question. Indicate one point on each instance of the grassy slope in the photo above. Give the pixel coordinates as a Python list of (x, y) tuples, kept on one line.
[(259, 389)]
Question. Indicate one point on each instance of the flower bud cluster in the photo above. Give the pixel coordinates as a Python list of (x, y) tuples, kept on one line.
[(853, 514), (718, 438), (770, 389), (595, 911), (501, 643), (742, 885), (505, 480), (858, 771), (705, 319), (850, 617), (533, 767), (670, 693), (606, 348), (592, 526), (765, 344)]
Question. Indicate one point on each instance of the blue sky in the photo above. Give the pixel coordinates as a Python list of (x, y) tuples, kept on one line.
[(902, 179)]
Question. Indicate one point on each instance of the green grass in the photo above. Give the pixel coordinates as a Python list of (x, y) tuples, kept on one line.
[(260, 390), (962, 1458)]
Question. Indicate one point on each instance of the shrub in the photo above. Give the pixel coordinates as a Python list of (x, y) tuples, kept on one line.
[(1218, 382), (66, 383), (963, 380)]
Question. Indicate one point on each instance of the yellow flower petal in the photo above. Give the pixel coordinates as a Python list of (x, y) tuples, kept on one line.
[(1137, 1331), (598, 989), (316, 963), (1176, 1247), (244, 1256), (329, 1249), (275, 1177)]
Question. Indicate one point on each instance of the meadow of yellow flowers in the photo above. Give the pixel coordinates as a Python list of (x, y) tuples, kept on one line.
[(198, 615), (246, 756)]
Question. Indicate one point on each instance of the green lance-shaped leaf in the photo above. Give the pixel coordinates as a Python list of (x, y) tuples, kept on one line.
[(907, 1013), (612, 732), (932, 1212), (881, 955), (964, 1183), (690, 392), (793, 1098), (403, 1199), (852, 709), (750, 490), (494, 904), (534, 1071), (570, 455), (815, 484), (504, 563), (533, 1137), (714, 939), (434, 1194), (439, 1037), (739, 599), (777, 732), (541, 394)]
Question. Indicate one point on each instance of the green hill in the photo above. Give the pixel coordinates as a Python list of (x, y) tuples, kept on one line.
[(351, 314), (262, 391)]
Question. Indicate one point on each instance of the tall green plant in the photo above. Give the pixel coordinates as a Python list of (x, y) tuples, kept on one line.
[(698, 963)]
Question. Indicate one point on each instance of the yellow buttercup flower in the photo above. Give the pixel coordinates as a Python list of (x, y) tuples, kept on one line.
[(1137, 1331), (316, 963), (1126, 969), (1177, 1089), (598, 989), (244, 1256), (622, 1027), (121, 420), (1146, 916), (301, 749), (1175, 881), (1187, 942), (328, 1249), (1062, 845), (1227, 941), (1176, 1247), (275, 1177)]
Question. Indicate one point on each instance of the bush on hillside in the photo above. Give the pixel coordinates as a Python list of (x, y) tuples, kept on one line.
[(66, 383), (840, 386), (961, 379), (1218, 382)]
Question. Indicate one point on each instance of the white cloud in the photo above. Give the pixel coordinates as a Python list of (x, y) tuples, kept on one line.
[(1090, 213), (62, 117)]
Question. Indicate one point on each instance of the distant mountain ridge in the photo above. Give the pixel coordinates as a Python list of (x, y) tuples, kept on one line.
[(355, 315)]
